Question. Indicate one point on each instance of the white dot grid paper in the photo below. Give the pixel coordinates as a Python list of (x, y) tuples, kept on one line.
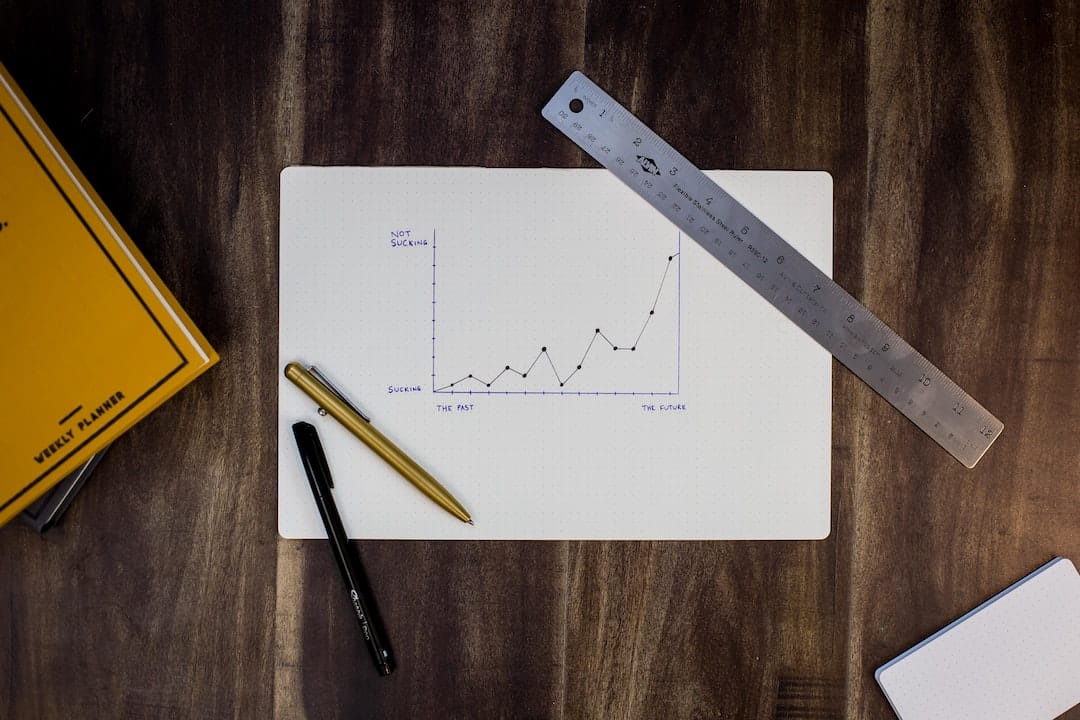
[(528, 264), (1015, 657)]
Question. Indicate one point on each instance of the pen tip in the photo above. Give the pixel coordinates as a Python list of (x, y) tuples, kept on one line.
[(472, 523)]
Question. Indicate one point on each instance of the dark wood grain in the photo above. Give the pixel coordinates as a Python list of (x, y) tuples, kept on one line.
[(953, 139), (739, 621), (968, 204)]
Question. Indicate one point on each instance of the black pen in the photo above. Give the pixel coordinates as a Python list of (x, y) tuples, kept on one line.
[(318, 474)]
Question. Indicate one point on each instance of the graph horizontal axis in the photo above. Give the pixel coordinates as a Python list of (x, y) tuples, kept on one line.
[(582, 393)]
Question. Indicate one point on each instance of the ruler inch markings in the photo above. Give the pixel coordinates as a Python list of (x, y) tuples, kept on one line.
[(778, 272)]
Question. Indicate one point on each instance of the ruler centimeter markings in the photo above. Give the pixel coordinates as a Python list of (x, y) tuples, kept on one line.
[(773, 268)]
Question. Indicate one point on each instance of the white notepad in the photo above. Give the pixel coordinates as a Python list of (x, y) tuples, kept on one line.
[(1015, 657), (711, 421)]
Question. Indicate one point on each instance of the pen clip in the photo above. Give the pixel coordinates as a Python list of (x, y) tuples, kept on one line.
[(336, 393)]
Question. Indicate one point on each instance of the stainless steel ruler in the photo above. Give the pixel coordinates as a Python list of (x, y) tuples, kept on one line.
[(777, 271)]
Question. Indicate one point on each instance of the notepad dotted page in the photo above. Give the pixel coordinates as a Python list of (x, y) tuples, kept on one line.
[(1016, 657), (506, 267)]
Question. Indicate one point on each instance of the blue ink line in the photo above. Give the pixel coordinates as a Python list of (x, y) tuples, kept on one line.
[(433, 310), (590, 393)]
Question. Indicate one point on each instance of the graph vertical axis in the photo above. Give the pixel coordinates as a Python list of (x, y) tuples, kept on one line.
[(433, 310), (678, 345)]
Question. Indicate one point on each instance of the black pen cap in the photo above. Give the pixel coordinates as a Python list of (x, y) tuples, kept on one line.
[(313, 457)]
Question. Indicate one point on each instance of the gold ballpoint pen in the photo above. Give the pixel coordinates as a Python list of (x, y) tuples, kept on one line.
[(335, 404)]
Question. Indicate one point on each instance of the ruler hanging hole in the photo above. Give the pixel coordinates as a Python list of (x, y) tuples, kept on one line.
[(576, 106)]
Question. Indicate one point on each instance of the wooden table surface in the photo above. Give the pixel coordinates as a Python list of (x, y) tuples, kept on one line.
[(952, 134)]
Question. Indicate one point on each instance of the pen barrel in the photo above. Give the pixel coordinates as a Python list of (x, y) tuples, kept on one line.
[(408, 468), (356, 583), (357, 588), (379, 443)]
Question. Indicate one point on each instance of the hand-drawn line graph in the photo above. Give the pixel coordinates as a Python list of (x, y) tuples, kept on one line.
[(503, 378)]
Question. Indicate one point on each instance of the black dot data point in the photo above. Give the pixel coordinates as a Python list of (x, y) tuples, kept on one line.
[(578, 367), (561, 384), (597, 329), (524, 375), (652, 312), (543, 349), (489, 384), (507, 367), (470, 374), (669, 257), (614, 347), (633, 348)]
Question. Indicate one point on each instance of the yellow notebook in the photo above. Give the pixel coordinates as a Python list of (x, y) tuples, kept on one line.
[(90, 339)]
